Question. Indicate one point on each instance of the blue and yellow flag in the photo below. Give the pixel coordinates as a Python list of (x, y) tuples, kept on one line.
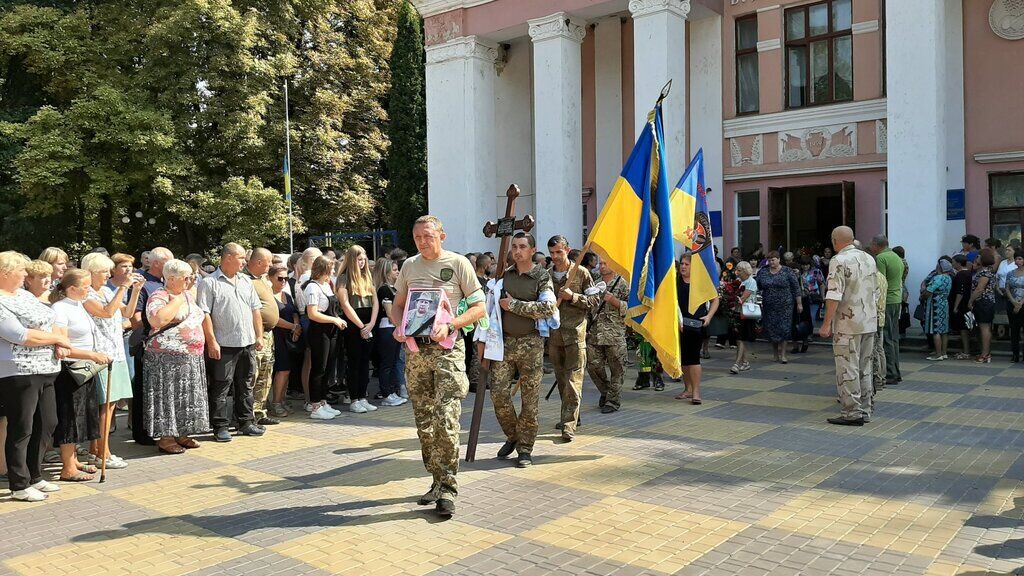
[(287, 179), (634, 236), (692, 226)]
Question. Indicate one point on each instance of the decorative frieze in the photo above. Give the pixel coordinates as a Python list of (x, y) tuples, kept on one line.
[(442, 28), (817, 143), (881, 137), (746, 151)]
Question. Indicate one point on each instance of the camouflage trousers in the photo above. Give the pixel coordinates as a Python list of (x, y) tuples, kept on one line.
[(602, 360), (263, 377), (524, 354), (569, 361), (853, 356), (878, 362), (436, 380)]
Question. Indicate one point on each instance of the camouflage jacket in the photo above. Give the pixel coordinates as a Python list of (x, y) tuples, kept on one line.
[(573, 313), (852, 282), (609, 326)]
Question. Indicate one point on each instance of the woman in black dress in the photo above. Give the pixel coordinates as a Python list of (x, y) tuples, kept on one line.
[(691, 332), (959, 296)]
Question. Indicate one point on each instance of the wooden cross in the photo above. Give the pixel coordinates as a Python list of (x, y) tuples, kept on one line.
[(504, 228)]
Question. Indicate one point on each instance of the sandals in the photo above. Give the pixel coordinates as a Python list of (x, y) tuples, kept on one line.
[(87, 468), (696, 401), (682, 396), (734, 369), (170, 448), (80, 476), (188, 443)]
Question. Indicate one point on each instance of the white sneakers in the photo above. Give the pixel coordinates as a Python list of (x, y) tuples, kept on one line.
[(361, 406), (114, 462), (393, 400), (323, 412), (45, 487), (29, 495)]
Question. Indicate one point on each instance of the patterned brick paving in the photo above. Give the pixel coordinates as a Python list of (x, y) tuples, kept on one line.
[(751, 482)]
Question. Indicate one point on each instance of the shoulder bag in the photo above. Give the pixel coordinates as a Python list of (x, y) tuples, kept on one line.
[(139, 348)]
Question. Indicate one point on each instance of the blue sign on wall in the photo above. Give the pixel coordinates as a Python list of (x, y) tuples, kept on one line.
[(955, 205), (716, 222)]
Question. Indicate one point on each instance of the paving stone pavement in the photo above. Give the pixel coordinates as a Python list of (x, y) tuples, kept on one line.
[(753, 481)]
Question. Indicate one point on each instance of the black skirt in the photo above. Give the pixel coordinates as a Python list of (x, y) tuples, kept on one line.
[(690, 342), (78, 411)]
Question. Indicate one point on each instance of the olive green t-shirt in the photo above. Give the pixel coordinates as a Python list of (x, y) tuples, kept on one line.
[(355, 300), (449, 270)]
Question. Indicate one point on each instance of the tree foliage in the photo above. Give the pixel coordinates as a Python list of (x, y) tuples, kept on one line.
[(175, 110), (407, 128)]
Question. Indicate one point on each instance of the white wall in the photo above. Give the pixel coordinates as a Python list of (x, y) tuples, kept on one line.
[(706, 108), (917, 131), (608, 104), (954, 103), (513, 121)]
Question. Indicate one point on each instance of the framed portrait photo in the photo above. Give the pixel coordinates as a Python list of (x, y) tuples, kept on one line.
[(421, 311)]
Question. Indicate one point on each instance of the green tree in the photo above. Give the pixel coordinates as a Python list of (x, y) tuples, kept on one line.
[(174, 109), (407, 127)]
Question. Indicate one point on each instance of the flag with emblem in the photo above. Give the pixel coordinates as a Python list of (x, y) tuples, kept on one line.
[(634, 236), (691, 223)]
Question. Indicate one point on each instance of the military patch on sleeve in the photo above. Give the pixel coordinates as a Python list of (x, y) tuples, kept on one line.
[(447, 273)]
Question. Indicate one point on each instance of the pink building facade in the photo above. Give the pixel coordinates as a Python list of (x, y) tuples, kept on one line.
[(893, 116)]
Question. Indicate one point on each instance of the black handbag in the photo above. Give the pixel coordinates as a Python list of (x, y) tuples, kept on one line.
[(904, 317)]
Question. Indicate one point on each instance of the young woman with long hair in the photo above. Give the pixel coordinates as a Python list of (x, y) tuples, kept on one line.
[(358, 300)]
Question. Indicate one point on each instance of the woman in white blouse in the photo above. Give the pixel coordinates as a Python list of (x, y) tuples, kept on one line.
[(108, 310), (78, 407), (28, 367)]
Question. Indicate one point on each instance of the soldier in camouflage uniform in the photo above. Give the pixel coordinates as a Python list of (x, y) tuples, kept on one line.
[(878, 355), (435, 376), (524, 286), (606, 341), (567, 346), (851, 319)]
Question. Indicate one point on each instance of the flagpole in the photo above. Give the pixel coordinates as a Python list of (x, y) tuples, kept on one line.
[(288, 161)]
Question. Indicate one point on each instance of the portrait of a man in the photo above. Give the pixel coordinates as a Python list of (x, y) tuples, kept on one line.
[(421, 312)]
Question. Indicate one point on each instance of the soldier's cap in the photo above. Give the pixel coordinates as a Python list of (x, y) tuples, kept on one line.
[(425, 296)]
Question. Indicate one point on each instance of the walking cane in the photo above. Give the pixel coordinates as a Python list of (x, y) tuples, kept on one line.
[(106, 432)]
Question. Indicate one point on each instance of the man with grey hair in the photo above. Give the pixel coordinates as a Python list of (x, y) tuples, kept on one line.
[(153, 275), (231, 325), (851, 307), (891, 265), (256, 269)]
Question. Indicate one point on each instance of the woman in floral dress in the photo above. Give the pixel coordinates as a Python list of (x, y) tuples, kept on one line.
[(174, 376)]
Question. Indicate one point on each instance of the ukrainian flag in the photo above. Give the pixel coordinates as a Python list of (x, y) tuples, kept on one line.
[(287, 179), (634, 236), (692, 226)]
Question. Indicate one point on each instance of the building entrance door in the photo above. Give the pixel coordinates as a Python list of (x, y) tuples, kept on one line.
[(804, 216)]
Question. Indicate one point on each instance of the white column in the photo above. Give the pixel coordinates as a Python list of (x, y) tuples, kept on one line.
[(706, 107), (558, 152), (513, 120), (659, 55), (956, 177), (917, 132), (460, 138), (608, 104)]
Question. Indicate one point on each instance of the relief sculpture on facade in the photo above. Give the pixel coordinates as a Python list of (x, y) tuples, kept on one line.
[(817, 143), (1006, 17), (746, 150)]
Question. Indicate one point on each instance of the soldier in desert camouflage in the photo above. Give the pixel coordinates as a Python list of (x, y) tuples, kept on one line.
[(851, 320)]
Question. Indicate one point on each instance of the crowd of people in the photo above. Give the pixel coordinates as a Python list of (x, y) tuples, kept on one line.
[(192, 348)]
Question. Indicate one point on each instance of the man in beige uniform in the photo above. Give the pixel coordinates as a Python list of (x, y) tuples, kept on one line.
[(435, 376), (567, 346), (256, 269), (851, 320)]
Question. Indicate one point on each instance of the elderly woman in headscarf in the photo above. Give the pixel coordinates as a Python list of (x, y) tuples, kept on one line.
[(936, 318)]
